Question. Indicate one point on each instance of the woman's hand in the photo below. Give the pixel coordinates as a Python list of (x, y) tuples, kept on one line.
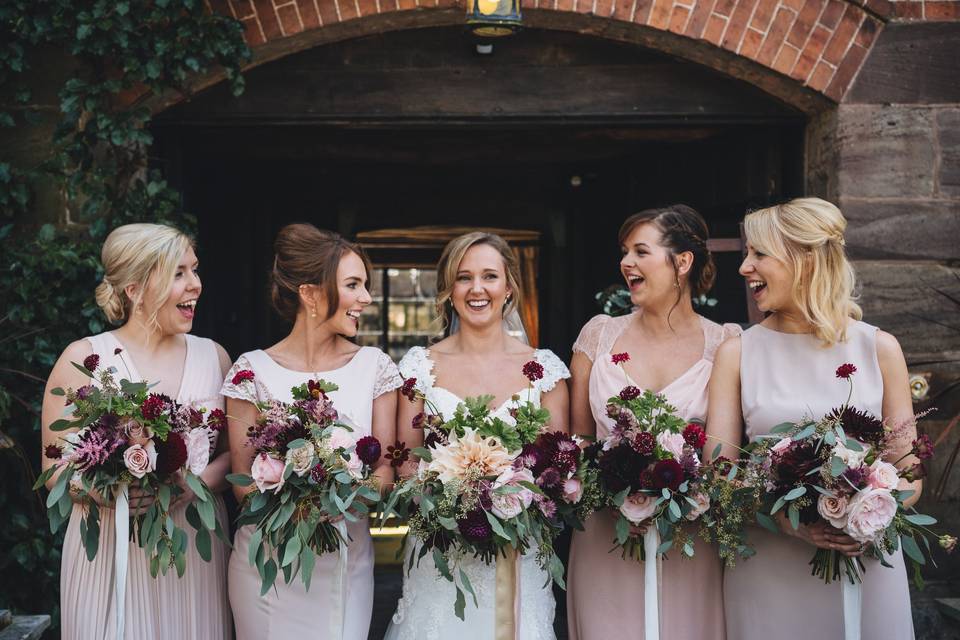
[(638, 530), (140, 499), (186, 494), (822, 535)]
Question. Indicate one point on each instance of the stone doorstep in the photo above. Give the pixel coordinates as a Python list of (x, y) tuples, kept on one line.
[(950, 607), (26, 628)]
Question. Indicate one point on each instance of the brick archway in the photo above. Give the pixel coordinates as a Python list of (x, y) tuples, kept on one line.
[(805, 52)]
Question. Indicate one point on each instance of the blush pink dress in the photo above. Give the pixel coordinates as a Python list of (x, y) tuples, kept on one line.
[(166, 607), (604, 590), (786, 377), (288, 610)]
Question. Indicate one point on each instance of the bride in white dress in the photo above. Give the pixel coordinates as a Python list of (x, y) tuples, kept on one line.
[(478, 285)]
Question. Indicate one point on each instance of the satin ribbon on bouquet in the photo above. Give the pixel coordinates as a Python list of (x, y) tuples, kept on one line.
[(852, 606), (121, 553), (338, 588), (507, 596), (651, 584)]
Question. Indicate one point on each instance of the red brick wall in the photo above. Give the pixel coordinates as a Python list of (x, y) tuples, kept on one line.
[(927, 10)]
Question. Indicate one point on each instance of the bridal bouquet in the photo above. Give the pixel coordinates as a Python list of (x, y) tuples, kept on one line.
[(834, 468), (649, 469), (127, 436), (486, 487), (311, 476)]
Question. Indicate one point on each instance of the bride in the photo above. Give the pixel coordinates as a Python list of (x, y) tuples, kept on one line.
[(478, 290)]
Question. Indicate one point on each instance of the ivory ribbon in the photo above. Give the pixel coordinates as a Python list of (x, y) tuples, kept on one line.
[(852, 605), (121, 555), (506, 596), (651, 586), (338, 590)]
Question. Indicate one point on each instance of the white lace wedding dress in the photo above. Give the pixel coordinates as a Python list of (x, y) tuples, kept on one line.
[(425, 610)]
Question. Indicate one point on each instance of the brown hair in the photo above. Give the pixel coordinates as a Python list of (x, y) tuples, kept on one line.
[(450, 262), (682, 229), (304, 254)]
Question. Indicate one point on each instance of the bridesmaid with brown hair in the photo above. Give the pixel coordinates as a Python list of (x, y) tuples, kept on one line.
[(671, 347), (782, 370), (150, 288)]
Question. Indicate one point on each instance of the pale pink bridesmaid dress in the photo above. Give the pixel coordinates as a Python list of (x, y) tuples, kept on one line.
[(288, 610), (165, 607), (605, 591), (785, 377)]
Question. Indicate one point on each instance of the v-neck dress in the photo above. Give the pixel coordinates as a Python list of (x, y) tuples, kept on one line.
[(425, 611), (166, 607), (289, 610), (604, 590)]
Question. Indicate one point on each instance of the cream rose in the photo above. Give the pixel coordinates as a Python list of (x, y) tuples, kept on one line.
[(340, 438), (638, 507), (354, 466), (672, 442), (703, 503), (514, 477), (140, 459), (505, 505), (871, 511), (851, 458), (301, 458), (198, 449), (833, 509), (267, 472), (883, 475)]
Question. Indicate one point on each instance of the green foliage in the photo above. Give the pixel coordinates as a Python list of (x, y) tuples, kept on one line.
[(97, 158)]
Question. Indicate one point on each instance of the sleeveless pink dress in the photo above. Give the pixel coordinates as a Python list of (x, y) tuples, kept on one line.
[(784, 377), (605, 591), (165, 607), (288, 610)]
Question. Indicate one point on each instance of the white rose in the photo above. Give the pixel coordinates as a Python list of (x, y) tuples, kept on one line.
[(851, 458), (198, 450), (301, 458), (883, 475), (340, 438), (505, 505), (672, 442)]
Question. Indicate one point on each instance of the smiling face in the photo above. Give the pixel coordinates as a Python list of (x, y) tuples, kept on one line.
[(770, 280), (353, 294), (648, 268), (480, 289), (176, 313)]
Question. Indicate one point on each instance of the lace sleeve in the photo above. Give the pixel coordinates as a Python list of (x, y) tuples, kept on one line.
[(388, 376), (417, 364), (241, 382), (588, 342), (731, 330), (553, 370)]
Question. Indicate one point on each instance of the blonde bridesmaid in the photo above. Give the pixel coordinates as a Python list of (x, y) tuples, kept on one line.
[(319, 285), (782, 370), (150, 288), (671, 348)]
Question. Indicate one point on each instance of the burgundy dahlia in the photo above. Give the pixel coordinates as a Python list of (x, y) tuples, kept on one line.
[(532, 457), (619, 358), (171, 453), (242, 376), (533, 371), (153, 407), (668, 474), (565, 460), (793, 464), (52, 452), (409, 389), (217, 420), (91, 362), (846, 370), (861, 425), (694, 435), (857, 477), (549, 478), (644, 443), (620, 468), (629, 393), (475, 527), (368, 450)]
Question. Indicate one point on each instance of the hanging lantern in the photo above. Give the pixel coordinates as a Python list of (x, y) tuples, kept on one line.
[(493, 18)]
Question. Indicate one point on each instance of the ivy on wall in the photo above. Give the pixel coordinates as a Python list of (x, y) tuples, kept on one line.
[(95, 160)]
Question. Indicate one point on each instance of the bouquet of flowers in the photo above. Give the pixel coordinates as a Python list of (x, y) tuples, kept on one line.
[(834, 468), (126, 435), (311, 475), (488, 488), (735, 499), (649, 469)]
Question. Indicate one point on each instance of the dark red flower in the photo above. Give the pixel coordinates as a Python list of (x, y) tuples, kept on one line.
[(533, 371), (619, 358), (723, 465), (368, 449), (793, 464), (171, 453), (646, 479), (318, 474), (217, 420), (922, 447), (398, 453), (694, 435), (242, 376), (629, 393), (474, 526), (418, 420), (91, 362), (667, 474), (153, 407), (861, 425), (644, 443), (846, 370), (117, 351), (549, 478), (434, 438), (53, 452), (620, 468), (409, 389)]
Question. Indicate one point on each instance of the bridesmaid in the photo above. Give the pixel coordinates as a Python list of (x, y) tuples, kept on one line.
[(783, 369), (665, 262), (319, 284), (150, 287)]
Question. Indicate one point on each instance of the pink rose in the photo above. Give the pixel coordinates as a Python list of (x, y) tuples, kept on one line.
[(833, 509), (340, 438), (198, 450), (703, 503), (140, 459), (514, 477), (638, 507), (572, 490), (354, 466), (505, 505), (672, 442), (871, 511), (782, 445), (883, 475), (267, 472)]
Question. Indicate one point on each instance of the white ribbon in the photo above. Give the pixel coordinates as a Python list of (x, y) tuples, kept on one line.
[(852, 604), (651, 586), (120, 555), (338, 588)]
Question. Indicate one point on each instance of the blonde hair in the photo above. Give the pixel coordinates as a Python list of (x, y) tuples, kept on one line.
[(450, 263), (141, 254), (807, 235)]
